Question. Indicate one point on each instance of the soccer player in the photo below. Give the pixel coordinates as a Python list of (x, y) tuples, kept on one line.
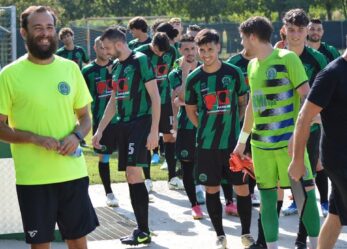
[(277, 81), (193, 30), (41, 95), (99, 81), (295, 23), (314, 40), (162, 57), (282, 43), (213, 94), (327, 97), (138, 28), (186, 131), (135, 99), (70, 50)]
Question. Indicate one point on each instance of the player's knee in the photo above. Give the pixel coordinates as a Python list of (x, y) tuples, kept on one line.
[(242, 190), (134, 175), (168, 138), (212, 189)]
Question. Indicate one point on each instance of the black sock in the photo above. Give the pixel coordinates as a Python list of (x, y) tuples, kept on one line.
[(156, 150), (322, 185), (161, 146), (188, 181), (261, 236), (251, 185), (147, 170), (244, 208), (302, 234), (104, 172), (139, 202), (228, 192), (170, 159), (215, 210), (279, 207)]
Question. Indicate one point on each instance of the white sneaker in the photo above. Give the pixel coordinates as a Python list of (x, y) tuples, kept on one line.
[(164, 166), (111, 200), (176, 183), (221, 242), (247, 240), (255, 200), (149, 185)]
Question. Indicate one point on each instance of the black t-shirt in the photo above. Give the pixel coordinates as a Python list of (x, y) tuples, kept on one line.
[(329, 91)]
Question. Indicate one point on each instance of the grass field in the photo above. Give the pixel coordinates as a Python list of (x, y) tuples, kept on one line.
[(116, 176)]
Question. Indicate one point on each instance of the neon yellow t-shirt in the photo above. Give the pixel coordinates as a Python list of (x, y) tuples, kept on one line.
[(41, 99)]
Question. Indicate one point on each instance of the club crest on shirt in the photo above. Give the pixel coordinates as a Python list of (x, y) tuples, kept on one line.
[(226, 81), (271, 73), (64, 88)]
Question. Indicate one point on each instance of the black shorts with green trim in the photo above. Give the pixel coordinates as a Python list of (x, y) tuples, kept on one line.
[(185, 144)]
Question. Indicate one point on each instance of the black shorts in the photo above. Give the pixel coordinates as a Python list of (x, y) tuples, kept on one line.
[(166, 118), (185, 144), (67, 204), (213, 166), (109, 138), (313, 149), (132, 139)]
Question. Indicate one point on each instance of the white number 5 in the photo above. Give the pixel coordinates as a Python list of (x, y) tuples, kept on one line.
[(131, 148)]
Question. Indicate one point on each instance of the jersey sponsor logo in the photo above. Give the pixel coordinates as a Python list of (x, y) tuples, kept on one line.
[(161, 71), (121, 86), (217, 102), (103, 87), (271, 73), (203, 177), (260, 102), (32, 233), (64, 88)]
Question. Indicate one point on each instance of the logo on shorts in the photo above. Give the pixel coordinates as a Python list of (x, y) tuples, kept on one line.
[(64, 88), (32, 233), (184, 153), (271, 73), (203, 177)]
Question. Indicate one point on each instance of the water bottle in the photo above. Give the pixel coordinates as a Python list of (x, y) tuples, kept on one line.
[(77, 153)]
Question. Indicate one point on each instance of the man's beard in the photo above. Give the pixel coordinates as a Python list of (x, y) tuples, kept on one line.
[(115, 55), (39, 51), (311, 39)]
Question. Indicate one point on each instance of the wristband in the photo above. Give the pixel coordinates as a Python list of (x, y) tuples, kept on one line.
[(78, 135), (243, 137)]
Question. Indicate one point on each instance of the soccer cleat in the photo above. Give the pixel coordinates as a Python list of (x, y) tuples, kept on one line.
[(164, 166), (197, 213), (221, 242), (231, 209), (300, 245), (111, 200), (200, 197), (136, 238), (176, 183), (292, 209), (258, 246), (149, 185), (325, 208), (247, 240), (255, 200), (155, 158)]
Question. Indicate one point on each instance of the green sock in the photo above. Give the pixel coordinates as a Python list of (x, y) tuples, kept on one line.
[(269, 216), (310, 217)]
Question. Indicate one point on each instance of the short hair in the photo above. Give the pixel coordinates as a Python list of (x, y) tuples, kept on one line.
[(168, 29), (187, 38), (138, 23), (156, 23), (175, 20), (35, 9), (97, 40), (259, 26), (207, 36), (161, 40), (115, 33), (65, 31), (296, 17), (194, 27), (315, 21)]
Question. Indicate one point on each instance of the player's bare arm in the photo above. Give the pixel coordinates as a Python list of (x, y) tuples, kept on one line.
[(192, 112)]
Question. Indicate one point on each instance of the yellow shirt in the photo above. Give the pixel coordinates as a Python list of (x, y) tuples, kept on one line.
[(41, 99)]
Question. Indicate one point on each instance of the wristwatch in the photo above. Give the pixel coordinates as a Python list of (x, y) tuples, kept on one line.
[(78, 135)]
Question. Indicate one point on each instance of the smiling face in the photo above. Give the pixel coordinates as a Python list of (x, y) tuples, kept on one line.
[(209, 53), (40, 35), (295, 35)]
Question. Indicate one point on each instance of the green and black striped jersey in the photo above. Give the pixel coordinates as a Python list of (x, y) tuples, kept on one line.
[(330, 52), (241, 62), (99, 82), (77, 55), (128, 81), (175, 79), (162, 66), (136, 43), (216, 97), (313, 62)]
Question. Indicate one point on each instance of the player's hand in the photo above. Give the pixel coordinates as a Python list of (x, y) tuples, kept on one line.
[(296, 169), (290, 146), (48, 143), (96, 140), (152, 140), (240, 150), (68, 145)]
